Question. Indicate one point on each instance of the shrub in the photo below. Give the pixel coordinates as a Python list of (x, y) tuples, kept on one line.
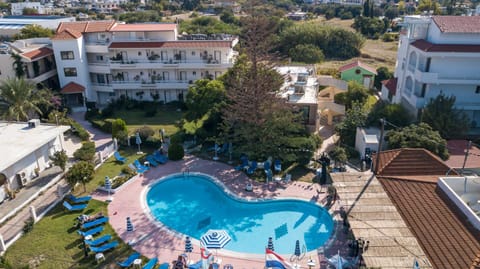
[(128, 171), (60, 159), (150, 109), (145, 132), (92, 113), (86, 152), (175, 152), (108, 111), (79, 131), (119, 128), (306, 53), (28, 225)]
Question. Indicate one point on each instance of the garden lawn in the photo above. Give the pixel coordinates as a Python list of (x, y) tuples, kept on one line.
[(54, 242), (166, 118), (110, 168)]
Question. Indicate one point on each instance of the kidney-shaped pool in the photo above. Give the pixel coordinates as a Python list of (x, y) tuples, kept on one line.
[(192, 204)]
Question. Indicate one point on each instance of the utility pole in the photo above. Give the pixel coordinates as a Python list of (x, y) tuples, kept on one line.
[(469, 144), (377, 161)]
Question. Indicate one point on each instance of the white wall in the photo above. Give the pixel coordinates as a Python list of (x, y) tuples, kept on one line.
[(437, 37), (6, 66)]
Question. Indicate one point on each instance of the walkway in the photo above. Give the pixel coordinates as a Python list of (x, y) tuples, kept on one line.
[(374, 218), (153, 240), (100, 138)]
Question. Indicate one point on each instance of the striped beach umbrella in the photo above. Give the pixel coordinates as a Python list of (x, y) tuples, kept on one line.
[(215, 239), (297, 249), (270, 244), (129, 225), (188, 245), (108, 183), (138, 140)]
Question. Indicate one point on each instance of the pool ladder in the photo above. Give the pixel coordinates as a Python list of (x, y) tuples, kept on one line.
[(186, 172)]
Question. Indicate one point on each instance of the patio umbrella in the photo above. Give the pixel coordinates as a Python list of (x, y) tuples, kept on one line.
[(188, 245), (338, 261), (129, 225), (215, 239), (138, 140), (297, 249), (270, 244), (108, 186)]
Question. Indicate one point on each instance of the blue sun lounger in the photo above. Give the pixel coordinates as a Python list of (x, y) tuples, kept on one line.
[(93, 223), (152, 160), (129, 260), (150, 264), (93, 231), (78, 200), (140, 167), (98, 241), (119, 157), (196, 265), (160, 158), (105, 247), (164, 265), (70, 207)]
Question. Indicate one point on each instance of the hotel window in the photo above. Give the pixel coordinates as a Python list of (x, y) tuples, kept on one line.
[(70, 71), (67, 55), (477, 90)]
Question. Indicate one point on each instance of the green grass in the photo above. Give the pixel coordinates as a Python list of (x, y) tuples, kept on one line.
[(166, 118), (54, 242)]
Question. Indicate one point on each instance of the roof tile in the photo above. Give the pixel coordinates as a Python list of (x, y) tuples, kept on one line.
[(358, 64), (144, 27), (38, 53), (426, 46), (72, 87), (391, 85), (173, 44), (458, 24)]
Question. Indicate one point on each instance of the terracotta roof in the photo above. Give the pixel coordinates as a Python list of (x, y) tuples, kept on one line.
[(458, 24), (426, 46), (457, 150), (86, 26), (67, 34), (172, 44), (38, 53), (408, 162), (72, 87), (358, 64), (144, 27), (445, 236), (391, 85)]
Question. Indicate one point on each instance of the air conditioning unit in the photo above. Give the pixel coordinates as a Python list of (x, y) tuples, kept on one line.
[(33, 123)]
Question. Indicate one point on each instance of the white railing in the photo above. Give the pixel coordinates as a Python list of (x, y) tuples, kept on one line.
[(146, 81)]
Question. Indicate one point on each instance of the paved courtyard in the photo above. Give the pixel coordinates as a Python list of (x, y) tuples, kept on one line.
[(153, 240)]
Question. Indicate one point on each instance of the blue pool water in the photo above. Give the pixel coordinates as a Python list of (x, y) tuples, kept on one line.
[(194, 204)]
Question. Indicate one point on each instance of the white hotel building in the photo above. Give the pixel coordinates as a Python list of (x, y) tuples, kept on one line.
[(439, 54), (102, 60)]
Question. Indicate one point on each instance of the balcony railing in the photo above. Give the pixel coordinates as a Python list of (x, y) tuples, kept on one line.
[(147, 82)]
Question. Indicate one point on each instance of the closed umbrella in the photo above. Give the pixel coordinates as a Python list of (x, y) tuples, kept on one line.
[(297, 249), (138, 141), (188, 245), (129, 225), (270, 244), (108, 186)]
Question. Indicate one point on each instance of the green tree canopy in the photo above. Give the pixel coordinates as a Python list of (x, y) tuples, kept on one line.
[(207, 25), (441, 115), (418, 136), (354, 117), (60, 159), (80, 173), (370, 27), (119, 128), (393, 113), (32, 31), (19, 99), (356, 93), (308, 53), (382, 74)]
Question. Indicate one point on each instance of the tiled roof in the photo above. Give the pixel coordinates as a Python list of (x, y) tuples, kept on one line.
[(67, 34), (391, 85), (86, 26), (358, 64), (172, 44), (38, 53), (144, 27), (441, 229), (457, 150), (458, 24), (426, 46), (407, 162), (72, 87)]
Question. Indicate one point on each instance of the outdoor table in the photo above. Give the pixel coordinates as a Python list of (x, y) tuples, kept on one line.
[(146, 163), (99, 256), (137, 263)]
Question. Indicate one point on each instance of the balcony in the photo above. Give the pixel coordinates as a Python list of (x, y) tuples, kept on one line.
[(155, 84), (102, 87), (97, 47), (170, 63), (425, 77), (43, 76), (99, 67)]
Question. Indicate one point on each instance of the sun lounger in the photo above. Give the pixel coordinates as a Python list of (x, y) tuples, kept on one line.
[(160, 158), (129, 260), (150, 264), (78, 200), (133, 167), (98, 241), (93, 231), (140, 167), (90, 224), (196, 265), (105, 247), (277, 166), (252, 168), (164, 265), (70, 207), (119, 157), (152, 160)]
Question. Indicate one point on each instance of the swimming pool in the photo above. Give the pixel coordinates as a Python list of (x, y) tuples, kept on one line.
[(193, 204)]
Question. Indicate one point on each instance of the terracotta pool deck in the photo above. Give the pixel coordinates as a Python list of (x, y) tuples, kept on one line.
[(151, 239)]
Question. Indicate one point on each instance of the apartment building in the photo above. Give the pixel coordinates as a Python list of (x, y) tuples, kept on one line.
[(17, 8), (35, 56), (100, 61), (439, 54)]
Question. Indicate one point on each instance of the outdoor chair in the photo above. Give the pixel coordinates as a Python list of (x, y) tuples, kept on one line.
[(140, 167), (164, 265), (119, 157), (277, 166), (70, 207), (252, 168), (105, 247), (129, 261), (133, 167), (98, 241), (78, 200), (93, 231), (159, 157), (94, 223), (152, 160), (150, 264)]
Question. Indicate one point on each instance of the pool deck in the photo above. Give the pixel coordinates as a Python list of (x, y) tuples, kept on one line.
[(151, 239)]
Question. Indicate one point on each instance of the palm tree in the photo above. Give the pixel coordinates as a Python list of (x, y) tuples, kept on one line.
[(18, 65), (19, 99)]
